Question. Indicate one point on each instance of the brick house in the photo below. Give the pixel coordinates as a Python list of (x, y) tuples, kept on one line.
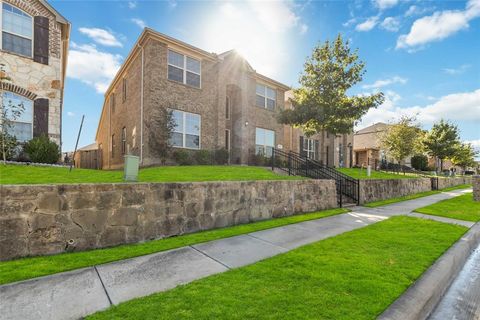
[(217, 100), (33, 49)]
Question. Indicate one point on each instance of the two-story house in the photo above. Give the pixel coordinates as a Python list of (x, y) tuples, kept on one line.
[(217, 101), (33, 49)]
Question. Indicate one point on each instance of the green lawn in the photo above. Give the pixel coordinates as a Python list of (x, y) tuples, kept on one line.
[(26, 268), (355, 275), (462, 207), (414, 196), (19, 174), (358, 173)]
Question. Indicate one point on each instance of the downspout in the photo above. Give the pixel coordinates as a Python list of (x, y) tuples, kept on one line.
[(141, 109)]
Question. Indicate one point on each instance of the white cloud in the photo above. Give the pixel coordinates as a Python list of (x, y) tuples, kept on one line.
[(132, 4), (139, 22), (416, 11), (101, 36), (349, 22), (70, 114), (385, 4), (463, 106), (303, 28), (439, 25), (367, 25), (272, 27), (459, 70), (391, 24), (172, 4), (91, 66), (385, 82)]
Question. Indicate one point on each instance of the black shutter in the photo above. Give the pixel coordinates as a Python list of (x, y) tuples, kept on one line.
[(40, 40), (302, 152), (317, 149), (40, 117)]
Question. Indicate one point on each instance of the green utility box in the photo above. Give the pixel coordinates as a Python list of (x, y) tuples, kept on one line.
[(130, 168)]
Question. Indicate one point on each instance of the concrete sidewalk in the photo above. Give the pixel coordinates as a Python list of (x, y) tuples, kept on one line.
[(72, 295)]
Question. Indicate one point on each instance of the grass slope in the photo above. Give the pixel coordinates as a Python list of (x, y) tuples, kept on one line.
[(462, 207), (20, 174), (26, 268), (361, 174), (414, 196), (355, 275)]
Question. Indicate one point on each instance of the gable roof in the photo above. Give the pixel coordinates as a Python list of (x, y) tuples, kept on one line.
[(376, 127), (59, 17)]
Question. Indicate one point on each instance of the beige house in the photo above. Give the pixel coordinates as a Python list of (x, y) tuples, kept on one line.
[(367, 148), (33, 49), (217, 101)]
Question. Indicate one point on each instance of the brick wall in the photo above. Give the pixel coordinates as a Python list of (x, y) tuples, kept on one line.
[(48, 219)]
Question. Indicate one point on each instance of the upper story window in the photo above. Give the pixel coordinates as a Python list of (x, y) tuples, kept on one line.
[(22, 126), (184, 69), (17, 30), (186, 133), (266, 97)]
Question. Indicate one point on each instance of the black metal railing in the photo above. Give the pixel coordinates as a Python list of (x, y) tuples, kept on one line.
[(348, 188)]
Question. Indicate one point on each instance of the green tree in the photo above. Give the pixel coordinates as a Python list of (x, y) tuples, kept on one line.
[(400, 139), (441, 141), (321, 103), (464, 156), (9, 112), (420, 162)]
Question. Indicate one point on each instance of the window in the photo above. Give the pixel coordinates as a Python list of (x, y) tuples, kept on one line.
[(266, 97), (112, 102), (264, 141), (124, 90), (227, 139), (22, 126), (309, 148), (112, 146), (227, 108), (124, 140), (17, 30), (183, 69), (186, 133)]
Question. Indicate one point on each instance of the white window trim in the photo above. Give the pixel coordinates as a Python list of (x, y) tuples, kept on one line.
[(184, 69), (264, 145), (265, 98), (184, 134), (16, 121), (1, 30), (306, 147)]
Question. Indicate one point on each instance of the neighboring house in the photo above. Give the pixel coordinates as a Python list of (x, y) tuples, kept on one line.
[(367, 147), (34, 47), (218, 101), (87, 157), (329, 149)]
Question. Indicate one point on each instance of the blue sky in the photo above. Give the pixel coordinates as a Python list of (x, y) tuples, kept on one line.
[(424, 55)]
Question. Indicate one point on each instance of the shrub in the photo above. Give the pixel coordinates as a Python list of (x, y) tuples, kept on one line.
[(9, 144), (420, 162), (203, 157), (221, 156), (182, 157), (42, 149)]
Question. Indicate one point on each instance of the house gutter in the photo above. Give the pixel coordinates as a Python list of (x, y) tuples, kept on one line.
[(141, 108)]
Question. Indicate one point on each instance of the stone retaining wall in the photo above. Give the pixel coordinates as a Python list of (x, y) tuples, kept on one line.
[(382, 189), (48, 219), (453, 181), (476, 188)]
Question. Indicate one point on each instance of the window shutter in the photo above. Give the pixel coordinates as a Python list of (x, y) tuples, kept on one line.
[(302, 152), (40, 39), (317, 149), (40, 117)]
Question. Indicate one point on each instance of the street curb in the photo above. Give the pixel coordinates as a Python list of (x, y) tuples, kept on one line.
[(421, 298)]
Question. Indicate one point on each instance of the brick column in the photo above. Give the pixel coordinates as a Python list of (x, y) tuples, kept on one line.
[(476, 188)]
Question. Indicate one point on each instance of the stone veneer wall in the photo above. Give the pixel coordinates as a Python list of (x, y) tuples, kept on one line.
[(453, 181), (476, 188), (48, 219), (381, 189)]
